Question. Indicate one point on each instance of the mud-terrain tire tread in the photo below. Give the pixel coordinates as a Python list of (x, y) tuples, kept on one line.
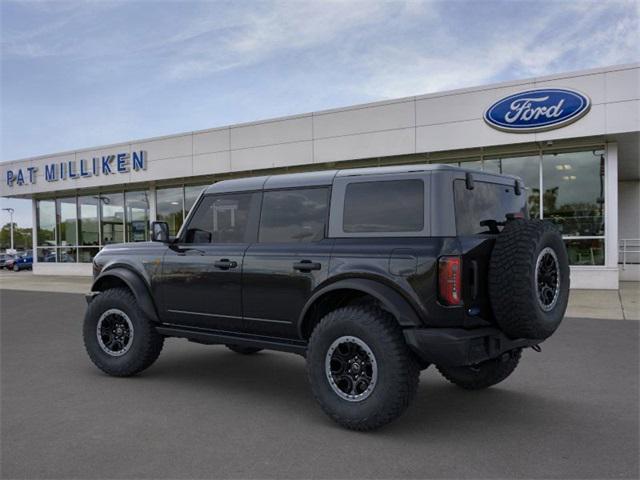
[(242, 350), (491, 372), (405, 367), (146, 353), (511, 272)]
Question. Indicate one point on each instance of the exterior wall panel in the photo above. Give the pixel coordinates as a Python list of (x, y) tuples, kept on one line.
[(271, 133), (378, 144), (213, 141), (362, 120), (210, 163), (271, 156)]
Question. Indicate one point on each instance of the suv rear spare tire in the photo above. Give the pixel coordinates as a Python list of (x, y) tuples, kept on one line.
[(529, 279)]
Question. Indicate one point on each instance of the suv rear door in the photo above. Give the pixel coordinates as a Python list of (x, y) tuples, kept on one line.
[(290, 259), (201, 283)]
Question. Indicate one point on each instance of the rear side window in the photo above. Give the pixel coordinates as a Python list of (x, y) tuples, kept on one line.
[(487, 201), (222, 219), (294, 216), (386, 206)]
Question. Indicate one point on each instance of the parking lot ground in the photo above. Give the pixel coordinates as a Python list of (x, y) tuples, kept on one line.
[(205, 412), (26, 280)]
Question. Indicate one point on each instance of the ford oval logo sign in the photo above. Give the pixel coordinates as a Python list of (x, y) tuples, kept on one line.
[(537, 110)]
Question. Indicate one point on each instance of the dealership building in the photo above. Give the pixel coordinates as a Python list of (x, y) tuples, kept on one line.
[(573, 138)]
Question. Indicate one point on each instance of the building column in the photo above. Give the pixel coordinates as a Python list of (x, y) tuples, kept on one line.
[(152, 203), (611, 207), (34, 232)]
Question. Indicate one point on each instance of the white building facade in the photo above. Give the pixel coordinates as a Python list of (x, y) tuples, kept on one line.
[(581, 172)]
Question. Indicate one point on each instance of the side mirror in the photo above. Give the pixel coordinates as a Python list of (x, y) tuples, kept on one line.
[(160, 232)]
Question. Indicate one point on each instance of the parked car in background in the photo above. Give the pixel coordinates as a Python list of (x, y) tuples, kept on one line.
[(4, 258), (23, 261)]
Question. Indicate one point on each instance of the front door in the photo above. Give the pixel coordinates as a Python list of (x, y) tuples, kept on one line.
[(202, 271), (288, 262)]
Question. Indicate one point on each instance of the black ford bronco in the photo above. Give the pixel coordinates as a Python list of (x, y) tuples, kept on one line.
[(371, 274)]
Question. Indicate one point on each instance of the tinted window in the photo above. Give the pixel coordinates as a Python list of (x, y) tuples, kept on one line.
[(294, 215), (222, 219), (391, 206), (487, 201)]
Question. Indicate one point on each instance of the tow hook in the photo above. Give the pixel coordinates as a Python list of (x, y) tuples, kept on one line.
[(536, 348)]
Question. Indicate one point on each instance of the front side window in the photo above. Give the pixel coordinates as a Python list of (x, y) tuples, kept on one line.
[(294, 216), (384, 206), (222, 219)]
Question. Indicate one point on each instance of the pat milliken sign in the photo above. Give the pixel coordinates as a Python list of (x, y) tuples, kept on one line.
[(105, 165), (537, 110)]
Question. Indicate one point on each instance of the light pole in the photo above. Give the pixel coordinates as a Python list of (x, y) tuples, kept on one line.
[(10, 210)]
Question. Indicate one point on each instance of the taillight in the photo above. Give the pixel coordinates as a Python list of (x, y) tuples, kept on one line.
[(450, 280)]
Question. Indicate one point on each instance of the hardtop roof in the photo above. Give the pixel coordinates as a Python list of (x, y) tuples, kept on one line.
[(326, 177)]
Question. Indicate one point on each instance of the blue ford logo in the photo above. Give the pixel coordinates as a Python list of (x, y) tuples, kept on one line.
[(537, 110)]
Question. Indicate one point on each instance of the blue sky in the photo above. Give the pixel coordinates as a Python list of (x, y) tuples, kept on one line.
[(80, 74)]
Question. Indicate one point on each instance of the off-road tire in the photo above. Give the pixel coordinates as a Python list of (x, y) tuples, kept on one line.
[(146, 344), (485, 374), (512, 286), (397, 369), (243, 350)]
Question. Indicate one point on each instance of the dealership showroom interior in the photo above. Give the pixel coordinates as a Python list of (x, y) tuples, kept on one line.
[(582, 174)]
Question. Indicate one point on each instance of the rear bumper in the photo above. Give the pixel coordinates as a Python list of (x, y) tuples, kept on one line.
[(457, 346)]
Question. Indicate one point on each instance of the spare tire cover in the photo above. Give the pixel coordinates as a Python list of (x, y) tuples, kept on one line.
[(529, 279)]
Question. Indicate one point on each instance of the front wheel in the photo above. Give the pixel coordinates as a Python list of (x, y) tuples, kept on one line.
[(16, 268), (361, 371), (118, 337), (485, 374)]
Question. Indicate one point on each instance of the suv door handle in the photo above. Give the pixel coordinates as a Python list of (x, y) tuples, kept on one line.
[(306, 266), (225, 264)]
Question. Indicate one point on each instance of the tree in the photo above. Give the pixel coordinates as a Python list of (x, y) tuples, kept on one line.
[(22, 237)]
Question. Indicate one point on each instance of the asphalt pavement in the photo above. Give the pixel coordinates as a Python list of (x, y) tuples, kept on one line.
[(205, 412)]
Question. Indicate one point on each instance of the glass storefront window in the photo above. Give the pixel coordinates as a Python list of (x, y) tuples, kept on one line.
[(137, 216), (86, 254), (574, 192), (66, 255), (88, 221), (46, 218), (67, 221), (112, 218), (46, 255), (472, 164), (169, 207), (585, 251), (191, 194), (527, 168)]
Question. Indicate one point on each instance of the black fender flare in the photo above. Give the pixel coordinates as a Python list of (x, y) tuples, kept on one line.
[(390, 299), (135, 283)]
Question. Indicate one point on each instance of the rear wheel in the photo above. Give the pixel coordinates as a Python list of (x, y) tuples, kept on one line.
[(16, 268), (361, 371), (485, 374), (243, 350), (118, 337)]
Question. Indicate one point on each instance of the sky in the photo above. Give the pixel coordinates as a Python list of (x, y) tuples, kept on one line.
[(87, 73)]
